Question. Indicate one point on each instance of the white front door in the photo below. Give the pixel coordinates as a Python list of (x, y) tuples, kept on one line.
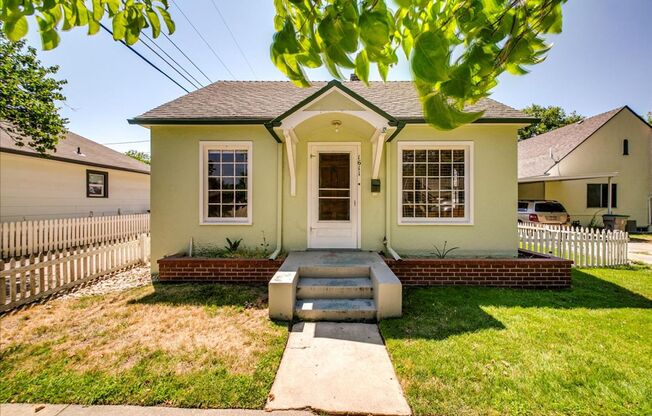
[(334, 195)]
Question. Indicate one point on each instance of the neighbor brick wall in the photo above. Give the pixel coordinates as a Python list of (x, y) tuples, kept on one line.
[(235, 271), (539, 272)]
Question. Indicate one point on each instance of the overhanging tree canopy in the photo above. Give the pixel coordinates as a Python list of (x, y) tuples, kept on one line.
[(457, 48)]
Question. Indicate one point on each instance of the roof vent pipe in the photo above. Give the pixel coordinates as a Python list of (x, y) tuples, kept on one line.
[(79, 150)]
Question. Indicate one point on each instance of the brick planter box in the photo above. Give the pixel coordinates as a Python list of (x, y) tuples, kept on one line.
[(534, 271), (233, 271)]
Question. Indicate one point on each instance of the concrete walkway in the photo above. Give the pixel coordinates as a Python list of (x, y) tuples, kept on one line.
[(639, 250), (76, 410), (337, 368)]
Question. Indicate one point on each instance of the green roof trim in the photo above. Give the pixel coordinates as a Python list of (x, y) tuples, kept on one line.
[(336, 84)]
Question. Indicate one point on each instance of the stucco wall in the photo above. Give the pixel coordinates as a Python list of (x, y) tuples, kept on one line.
[(602, 153), (35, 188), (176, 184), (495, 190)]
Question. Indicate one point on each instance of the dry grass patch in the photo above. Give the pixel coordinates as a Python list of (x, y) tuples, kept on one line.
[(171, 334)]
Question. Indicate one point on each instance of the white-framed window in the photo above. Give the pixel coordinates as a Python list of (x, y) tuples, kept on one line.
[(225, 178), (435, 183)]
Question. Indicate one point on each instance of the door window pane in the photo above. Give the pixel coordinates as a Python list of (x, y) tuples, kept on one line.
[(334, 196)]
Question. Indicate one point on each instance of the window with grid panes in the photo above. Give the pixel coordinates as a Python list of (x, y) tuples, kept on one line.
[(227, 187), (434, 183)]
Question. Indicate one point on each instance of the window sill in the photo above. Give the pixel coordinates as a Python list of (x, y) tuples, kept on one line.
[(244, 222), (417, 222)]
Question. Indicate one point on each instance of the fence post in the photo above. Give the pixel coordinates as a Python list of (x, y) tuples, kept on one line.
[(142, 249)]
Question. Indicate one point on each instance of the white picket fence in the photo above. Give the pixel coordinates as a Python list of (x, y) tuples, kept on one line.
[(36, 276), (22, 238), (586, 247)]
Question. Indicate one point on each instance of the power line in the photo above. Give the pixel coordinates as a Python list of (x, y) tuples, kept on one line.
[(134, 142), (204, 39), (234, 39), (173, 60), (186, 56), (146, 60), (167, 62)]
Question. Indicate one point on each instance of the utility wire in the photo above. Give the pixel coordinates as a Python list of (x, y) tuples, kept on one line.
[(146, 60), (135, 141), (234, 39), (167, 62), (204, 39), (186, 56), (171, 58)]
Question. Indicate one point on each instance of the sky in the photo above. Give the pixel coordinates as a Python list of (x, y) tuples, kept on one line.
[(602, 60)]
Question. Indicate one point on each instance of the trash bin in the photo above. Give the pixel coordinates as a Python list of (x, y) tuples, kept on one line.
[(614, 222)]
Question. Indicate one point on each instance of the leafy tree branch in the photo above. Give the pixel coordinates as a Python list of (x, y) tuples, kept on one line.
[(28, 97), (129, 18), (456, 48), (550, 118), (142, 156)]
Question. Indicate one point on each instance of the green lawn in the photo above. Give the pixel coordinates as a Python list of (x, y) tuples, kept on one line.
[(584, 351), (179, 345), (642, 237)]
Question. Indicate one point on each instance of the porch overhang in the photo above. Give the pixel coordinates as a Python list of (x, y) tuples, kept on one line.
[(334, 99), (550, 178)]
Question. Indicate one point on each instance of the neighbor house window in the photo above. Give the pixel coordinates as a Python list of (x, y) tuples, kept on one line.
[(97, 184), (226, 182), (625, 147), (435, 182), (597, 195)]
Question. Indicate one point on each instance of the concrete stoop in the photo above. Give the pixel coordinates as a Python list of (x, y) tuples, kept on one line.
[(334, 286)]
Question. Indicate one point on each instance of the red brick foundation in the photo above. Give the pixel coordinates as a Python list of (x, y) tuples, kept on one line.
[(232, 271), (533, 272)]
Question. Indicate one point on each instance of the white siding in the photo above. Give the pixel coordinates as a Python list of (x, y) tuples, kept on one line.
[(35, 188)]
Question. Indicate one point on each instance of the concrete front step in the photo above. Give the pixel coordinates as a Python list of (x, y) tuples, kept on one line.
[(335, 310), (334, 288)]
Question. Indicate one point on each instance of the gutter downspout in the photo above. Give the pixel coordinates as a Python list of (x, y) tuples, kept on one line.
[(279, 202), (388, 203)]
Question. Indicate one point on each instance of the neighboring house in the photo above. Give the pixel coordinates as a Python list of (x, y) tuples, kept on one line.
[(335, 165), (575, 165), (81, 178)]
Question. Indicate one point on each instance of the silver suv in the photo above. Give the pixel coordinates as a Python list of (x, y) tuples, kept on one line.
[(544, 212)]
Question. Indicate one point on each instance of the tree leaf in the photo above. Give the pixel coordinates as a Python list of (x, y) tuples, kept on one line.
[(49, 39), (383, 70), (119, 26), (154, 22), (169, 23), (362, 66), (430, 60), (442, 115), (16, 27), (374, 28)]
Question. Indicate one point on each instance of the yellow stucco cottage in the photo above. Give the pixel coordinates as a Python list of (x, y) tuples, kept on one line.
[(598, 165), (338, 165)]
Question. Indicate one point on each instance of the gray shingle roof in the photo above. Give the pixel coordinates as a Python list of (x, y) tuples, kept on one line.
[(265, 100), (92, 153), (534, 153)]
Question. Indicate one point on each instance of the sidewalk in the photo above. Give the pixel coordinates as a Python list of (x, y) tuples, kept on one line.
[(340, 368), (640, 250), (77, 410)]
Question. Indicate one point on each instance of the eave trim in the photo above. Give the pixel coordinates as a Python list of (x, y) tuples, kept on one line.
[(76, 162)]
